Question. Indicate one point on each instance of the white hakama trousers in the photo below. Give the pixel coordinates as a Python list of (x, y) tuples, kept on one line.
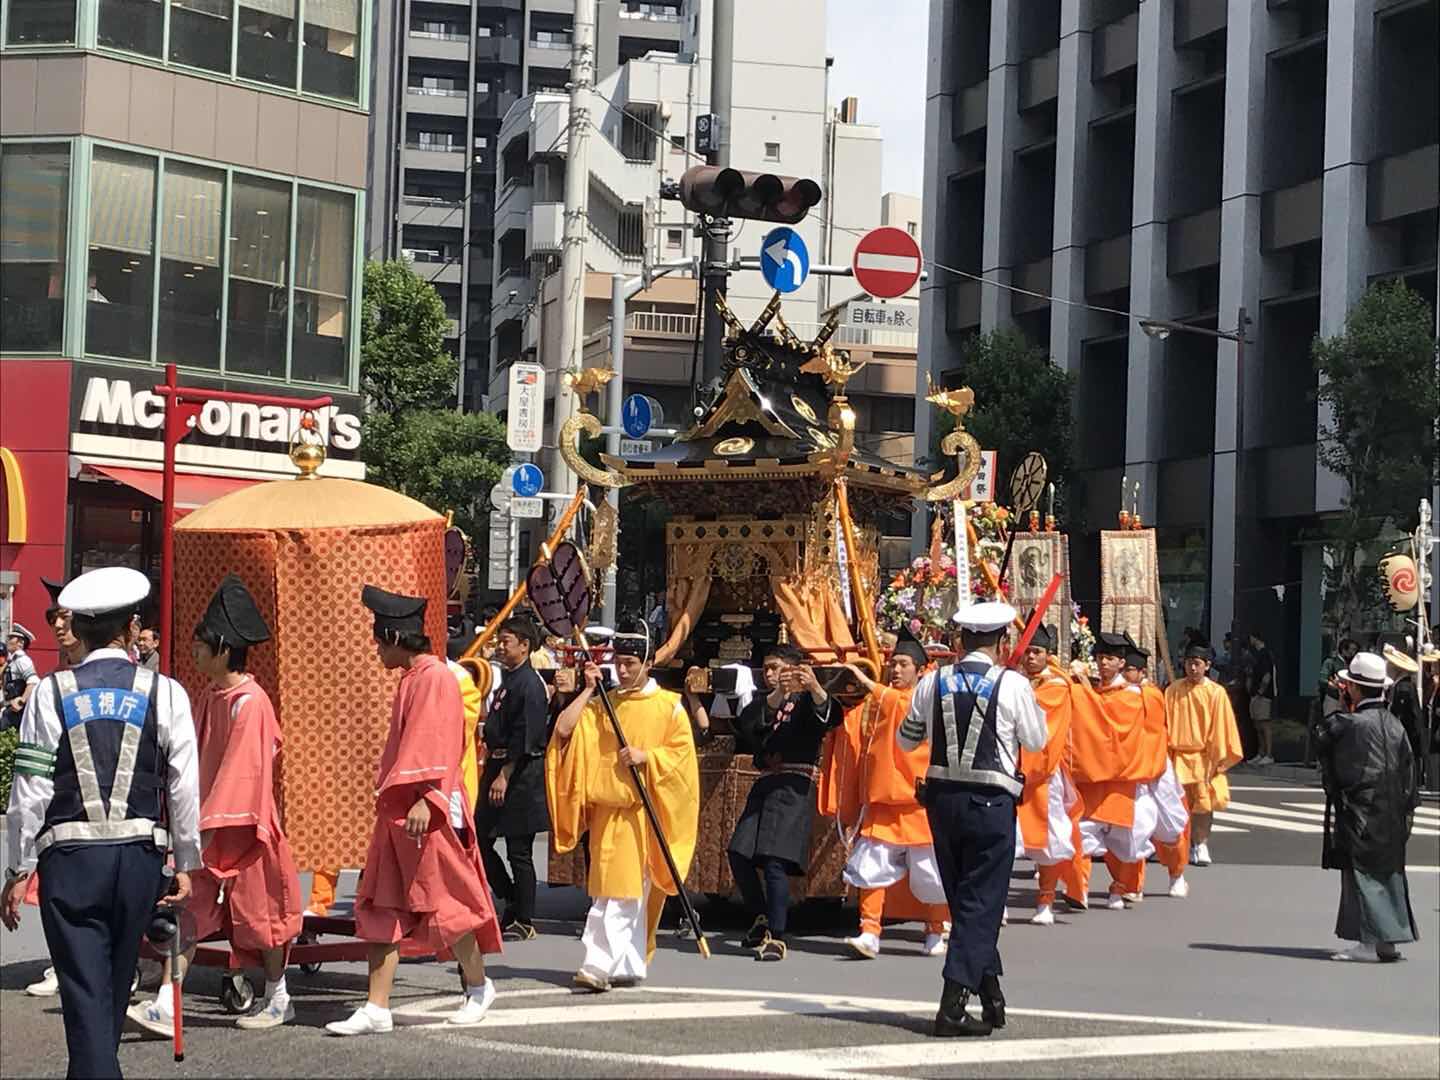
[(1160, 814), (614, 937), (1059, 843), (875, 864), (1171, 815)]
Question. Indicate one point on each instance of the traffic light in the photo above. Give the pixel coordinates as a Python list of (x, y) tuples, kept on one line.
[(726, 192)]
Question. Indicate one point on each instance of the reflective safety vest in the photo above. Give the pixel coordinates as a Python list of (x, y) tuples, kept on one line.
[(965, 746), (109, 772)]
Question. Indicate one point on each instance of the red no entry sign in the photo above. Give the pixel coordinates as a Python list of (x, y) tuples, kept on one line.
[(887, 262)]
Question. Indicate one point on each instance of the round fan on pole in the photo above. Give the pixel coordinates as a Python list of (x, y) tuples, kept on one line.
[(1027, 483)]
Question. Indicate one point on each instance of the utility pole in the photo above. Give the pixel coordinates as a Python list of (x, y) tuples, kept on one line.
[(717, 229), (572, 252)]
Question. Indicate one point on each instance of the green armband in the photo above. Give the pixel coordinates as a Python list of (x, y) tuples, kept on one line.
[(34, 760)]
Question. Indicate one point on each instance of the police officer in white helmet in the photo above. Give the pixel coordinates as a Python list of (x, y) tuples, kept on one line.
[(105, 782)]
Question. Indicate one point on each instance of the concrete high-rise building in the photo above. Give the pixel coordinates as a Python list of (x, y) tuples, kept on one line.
[(1184, 160), (446, 74)]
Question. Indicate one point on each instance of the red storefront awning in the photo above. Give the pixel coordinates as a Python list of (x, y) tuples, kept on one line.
[(192, 490)]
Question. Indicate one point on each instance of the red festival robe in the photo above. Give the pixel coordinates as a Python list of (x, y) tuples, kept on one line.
[(426, 895), (249, 886)]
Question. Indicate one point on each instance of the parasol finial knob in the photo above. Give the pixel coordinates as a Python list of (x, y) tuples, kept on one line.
[(307, 448)]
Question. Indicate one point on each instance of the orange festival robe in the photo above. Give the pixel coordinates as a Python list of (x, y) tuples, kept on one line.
[(246, 856), (872, 782), (424, 896), (1054, 693), (1104, 743)]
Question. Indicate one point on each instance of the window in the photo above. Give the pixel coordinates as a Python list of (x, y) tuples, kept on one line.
[(259, 256), (674, 238), (266, 49), (34, 196), (192, 222), (772, 151), (677, 144), (120, 280), (324, 259), (132, 25), (40, 22), (200, 34), (912, 228), (332, 64)]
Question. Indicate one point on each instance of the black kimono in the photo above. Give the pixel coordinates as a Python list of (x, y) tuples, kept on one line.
[(515, 730), (1370, 795), (779, 813)]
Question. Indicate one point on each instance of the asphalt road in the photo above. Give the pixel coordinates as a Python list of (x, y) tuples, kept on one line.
[(1234, 981)]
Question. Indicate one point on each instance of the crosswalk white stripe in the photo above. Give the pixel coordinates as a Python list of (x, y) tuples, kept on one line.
[(1317, 813), (1268, 822), (822, 1061), (1227, 828)]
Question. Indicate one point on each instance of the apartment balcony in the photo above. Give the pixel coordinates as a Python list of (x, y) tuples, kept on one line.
[(434, 102), (546, 228), (1197, 19), (436, 269), (962, 306), (663, 13), (1114, 47), (494, 104), (440, 46), (1193, 242), (1035, 276), (432, 213), (497, 50), (440, 157), (516, 277), (487, 6), (1291, 215), (1107, 265), (1403, 184)]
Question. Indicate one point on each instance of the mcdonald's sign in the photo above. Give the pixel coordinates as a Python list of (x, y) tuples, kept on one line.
[(16, 523)]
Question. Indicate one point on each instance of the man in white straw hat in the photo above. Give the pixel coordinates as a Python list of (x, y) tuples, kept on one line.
[(1370, 792), (976, 715)]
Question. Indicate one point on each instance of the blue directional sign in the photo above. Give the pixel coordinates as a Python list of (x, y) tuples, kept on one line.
[(784, 262), (528, 480), (636, 416)]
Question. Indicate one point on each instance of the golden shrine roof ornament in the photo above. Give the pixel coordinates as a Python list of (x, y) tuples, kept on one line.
[(764, 423)]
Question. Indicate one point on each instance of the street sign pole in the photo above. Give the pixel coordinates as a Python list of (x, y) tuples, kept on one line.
[(717, 229), (512, 574)]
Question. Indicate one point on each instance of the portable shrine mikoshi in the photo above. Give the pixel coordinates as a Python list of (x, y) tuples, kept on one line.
[(305, 547), (801, 562)]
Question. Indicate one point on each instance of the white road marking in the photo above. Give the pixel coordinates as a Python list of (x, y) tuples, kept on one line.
[(1312, 790), (1268, 822), (1314, 813), (824, 1061), (859, 1062), (1226, 828)]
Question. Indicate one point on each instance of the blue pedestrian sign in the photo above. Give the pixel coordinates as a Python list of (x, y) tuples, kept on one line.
[(528, 480), (784, 262), (636, 416)]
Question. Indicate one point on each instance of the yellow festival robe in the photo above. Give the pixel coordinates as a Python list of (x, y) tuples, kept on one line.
[(473, 701), (588, 789), (1204, 741)]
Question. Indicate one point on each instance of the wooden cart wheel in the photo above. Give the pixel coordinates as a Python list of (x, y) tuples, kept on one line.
[(309, 967), (236, 993)]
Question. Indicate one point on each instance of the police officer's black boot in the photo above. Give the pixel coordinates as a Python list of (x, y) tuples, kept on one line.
[(953, 1020), (992, 1001)]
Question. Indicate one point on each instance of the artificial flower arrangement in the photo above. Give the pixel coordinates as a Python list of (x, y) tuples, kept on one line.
[(922, 596)]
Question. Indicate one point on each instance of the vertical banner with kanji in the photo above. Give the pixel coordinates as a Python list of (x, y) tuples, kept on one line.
[(525, 409)]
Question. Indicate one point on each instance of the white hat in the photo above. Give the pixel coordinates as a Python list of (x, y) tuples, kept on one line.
[(1366, 669), (16, 630), (985, 618), (111, 588)]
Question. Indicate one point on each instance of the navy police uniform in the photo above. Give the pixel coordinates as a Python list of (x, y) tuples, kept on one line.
[(976, 716), (105, 782)]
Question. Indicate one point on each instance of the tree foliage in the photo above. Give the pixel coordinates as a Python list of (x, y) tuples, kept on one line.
[(413, 439), (1022, 403), (1378, 384)]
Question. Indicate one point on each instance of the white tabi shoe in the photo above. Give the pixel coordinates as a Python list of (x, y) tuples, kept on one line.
[(1044, 915), (935, 945), (865, 945), (363, 1022), (475, 1007), (148, 1016), (1179, 887), (1134, 898), (1202, 855), (267, 1016), (1357, 954), (1116, 902), (48, 986)]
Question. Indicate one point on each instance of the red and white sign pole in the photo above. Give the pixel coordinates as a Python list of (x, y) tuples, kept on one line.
[(887, 262)]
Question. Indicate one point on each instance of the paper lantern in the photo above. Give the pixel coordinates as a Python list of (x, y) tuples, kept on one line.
[(1402, 581)]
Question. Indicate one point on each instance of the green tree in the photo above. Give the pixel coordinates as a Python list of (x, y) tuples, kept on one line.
[(413, 439), (1378, 383), (1022, 403)]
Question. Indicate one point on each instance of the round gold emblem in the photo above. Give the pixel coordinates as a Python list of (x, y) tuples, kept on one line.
[(741, 444), (822, 439), (803, 408)]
